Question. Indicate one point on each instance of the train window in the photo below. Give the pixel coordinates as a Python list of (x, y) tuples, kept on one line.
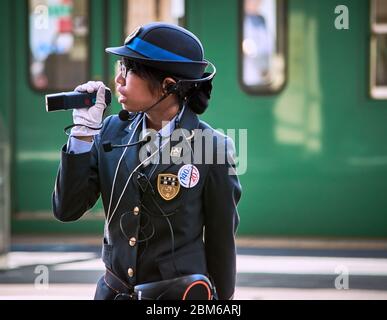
[(145, 11), (378, 50), (58, 44), (262, 47)]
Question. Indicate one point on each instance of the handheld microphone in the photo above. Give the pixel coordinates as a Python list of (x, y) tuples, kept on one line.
[(74, 100), (108, 146)]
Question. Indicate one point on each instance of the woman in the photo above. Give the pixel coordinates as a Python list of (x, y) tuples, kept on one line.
[(169, 213)]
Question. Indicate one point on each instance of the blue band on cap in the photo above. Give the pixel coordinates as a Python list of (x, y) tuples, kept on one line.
[(154, 52)]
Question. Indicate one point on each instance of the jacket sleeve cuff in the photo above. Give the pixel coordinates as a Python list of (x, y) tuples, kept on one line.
[(77, 146)]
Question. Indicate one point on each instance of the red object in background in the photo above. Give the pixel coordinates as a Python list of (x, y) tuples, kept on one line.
[(65, 25)]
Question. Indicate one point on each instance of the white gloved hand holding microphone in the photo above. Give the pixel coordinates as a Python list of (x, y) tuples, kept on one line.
[(89, 117)]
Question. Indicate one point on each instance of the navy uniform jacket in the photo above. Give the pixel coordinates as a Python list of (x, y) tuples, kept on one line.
[(138, 243)]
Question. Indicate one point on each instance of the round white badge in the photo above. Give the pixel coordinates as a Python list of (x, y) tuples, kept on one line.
[(188, 176)]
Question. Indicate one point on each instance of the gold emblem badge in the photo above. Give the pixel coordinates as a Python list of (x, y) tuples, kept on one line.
[(168, 186)]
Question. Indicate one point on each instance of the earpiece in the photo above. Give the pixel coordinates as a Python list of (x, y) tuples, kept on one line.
[(171, 88)]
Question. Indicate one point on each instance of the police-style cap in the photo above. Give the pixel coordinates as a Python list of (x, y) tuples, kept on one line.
[(166, 47)]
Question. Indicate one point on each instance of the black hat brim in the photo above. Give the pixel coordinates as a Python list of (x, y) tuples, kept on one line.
[(190, 70)]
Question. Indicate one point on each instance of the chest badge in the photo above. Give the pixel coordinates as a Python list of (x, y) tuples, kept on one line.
[(189, 176), (168, 186), (176, 151)]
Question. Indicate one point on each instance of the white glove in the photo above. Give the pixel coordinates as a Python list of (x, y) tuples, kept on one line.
[(91, 117)]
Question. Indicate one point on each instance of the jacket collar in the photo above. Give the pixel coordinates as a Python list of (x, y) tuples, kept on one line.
[(168, 129), (188, 121)]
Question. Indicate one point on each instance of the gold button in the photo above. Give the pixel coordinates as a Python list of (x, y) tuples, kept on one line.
[(136, 211), (130, 272), (132, 241)]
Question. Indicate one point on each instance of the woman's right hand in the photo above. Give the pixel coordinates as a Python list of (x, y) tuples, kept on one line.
[(91, 117)]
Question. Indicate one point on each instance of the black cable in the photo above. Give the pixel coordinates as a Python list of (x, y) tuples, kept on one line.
[(79, 125), (148, 183), (138, 240), (171, 231), (166, 216)]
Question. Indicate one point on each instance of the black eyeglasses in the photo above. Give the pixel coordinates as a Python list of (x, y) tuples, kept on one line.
[(123, 69), (125, 66)]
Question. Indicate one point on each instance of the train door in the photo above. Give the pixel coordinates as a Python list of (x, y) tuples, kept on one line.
[(58, 44)]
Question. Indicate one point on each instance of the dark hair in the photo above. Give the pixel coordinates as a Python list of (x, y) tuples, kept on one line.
[(195, 95)]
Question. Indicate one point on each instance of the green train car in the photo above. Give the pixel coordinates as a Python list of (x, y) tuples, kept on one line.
[(306, 79)]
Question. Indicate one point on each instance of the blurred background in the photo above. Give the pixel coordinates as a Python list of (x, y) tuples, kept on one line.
[(306, 78)]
